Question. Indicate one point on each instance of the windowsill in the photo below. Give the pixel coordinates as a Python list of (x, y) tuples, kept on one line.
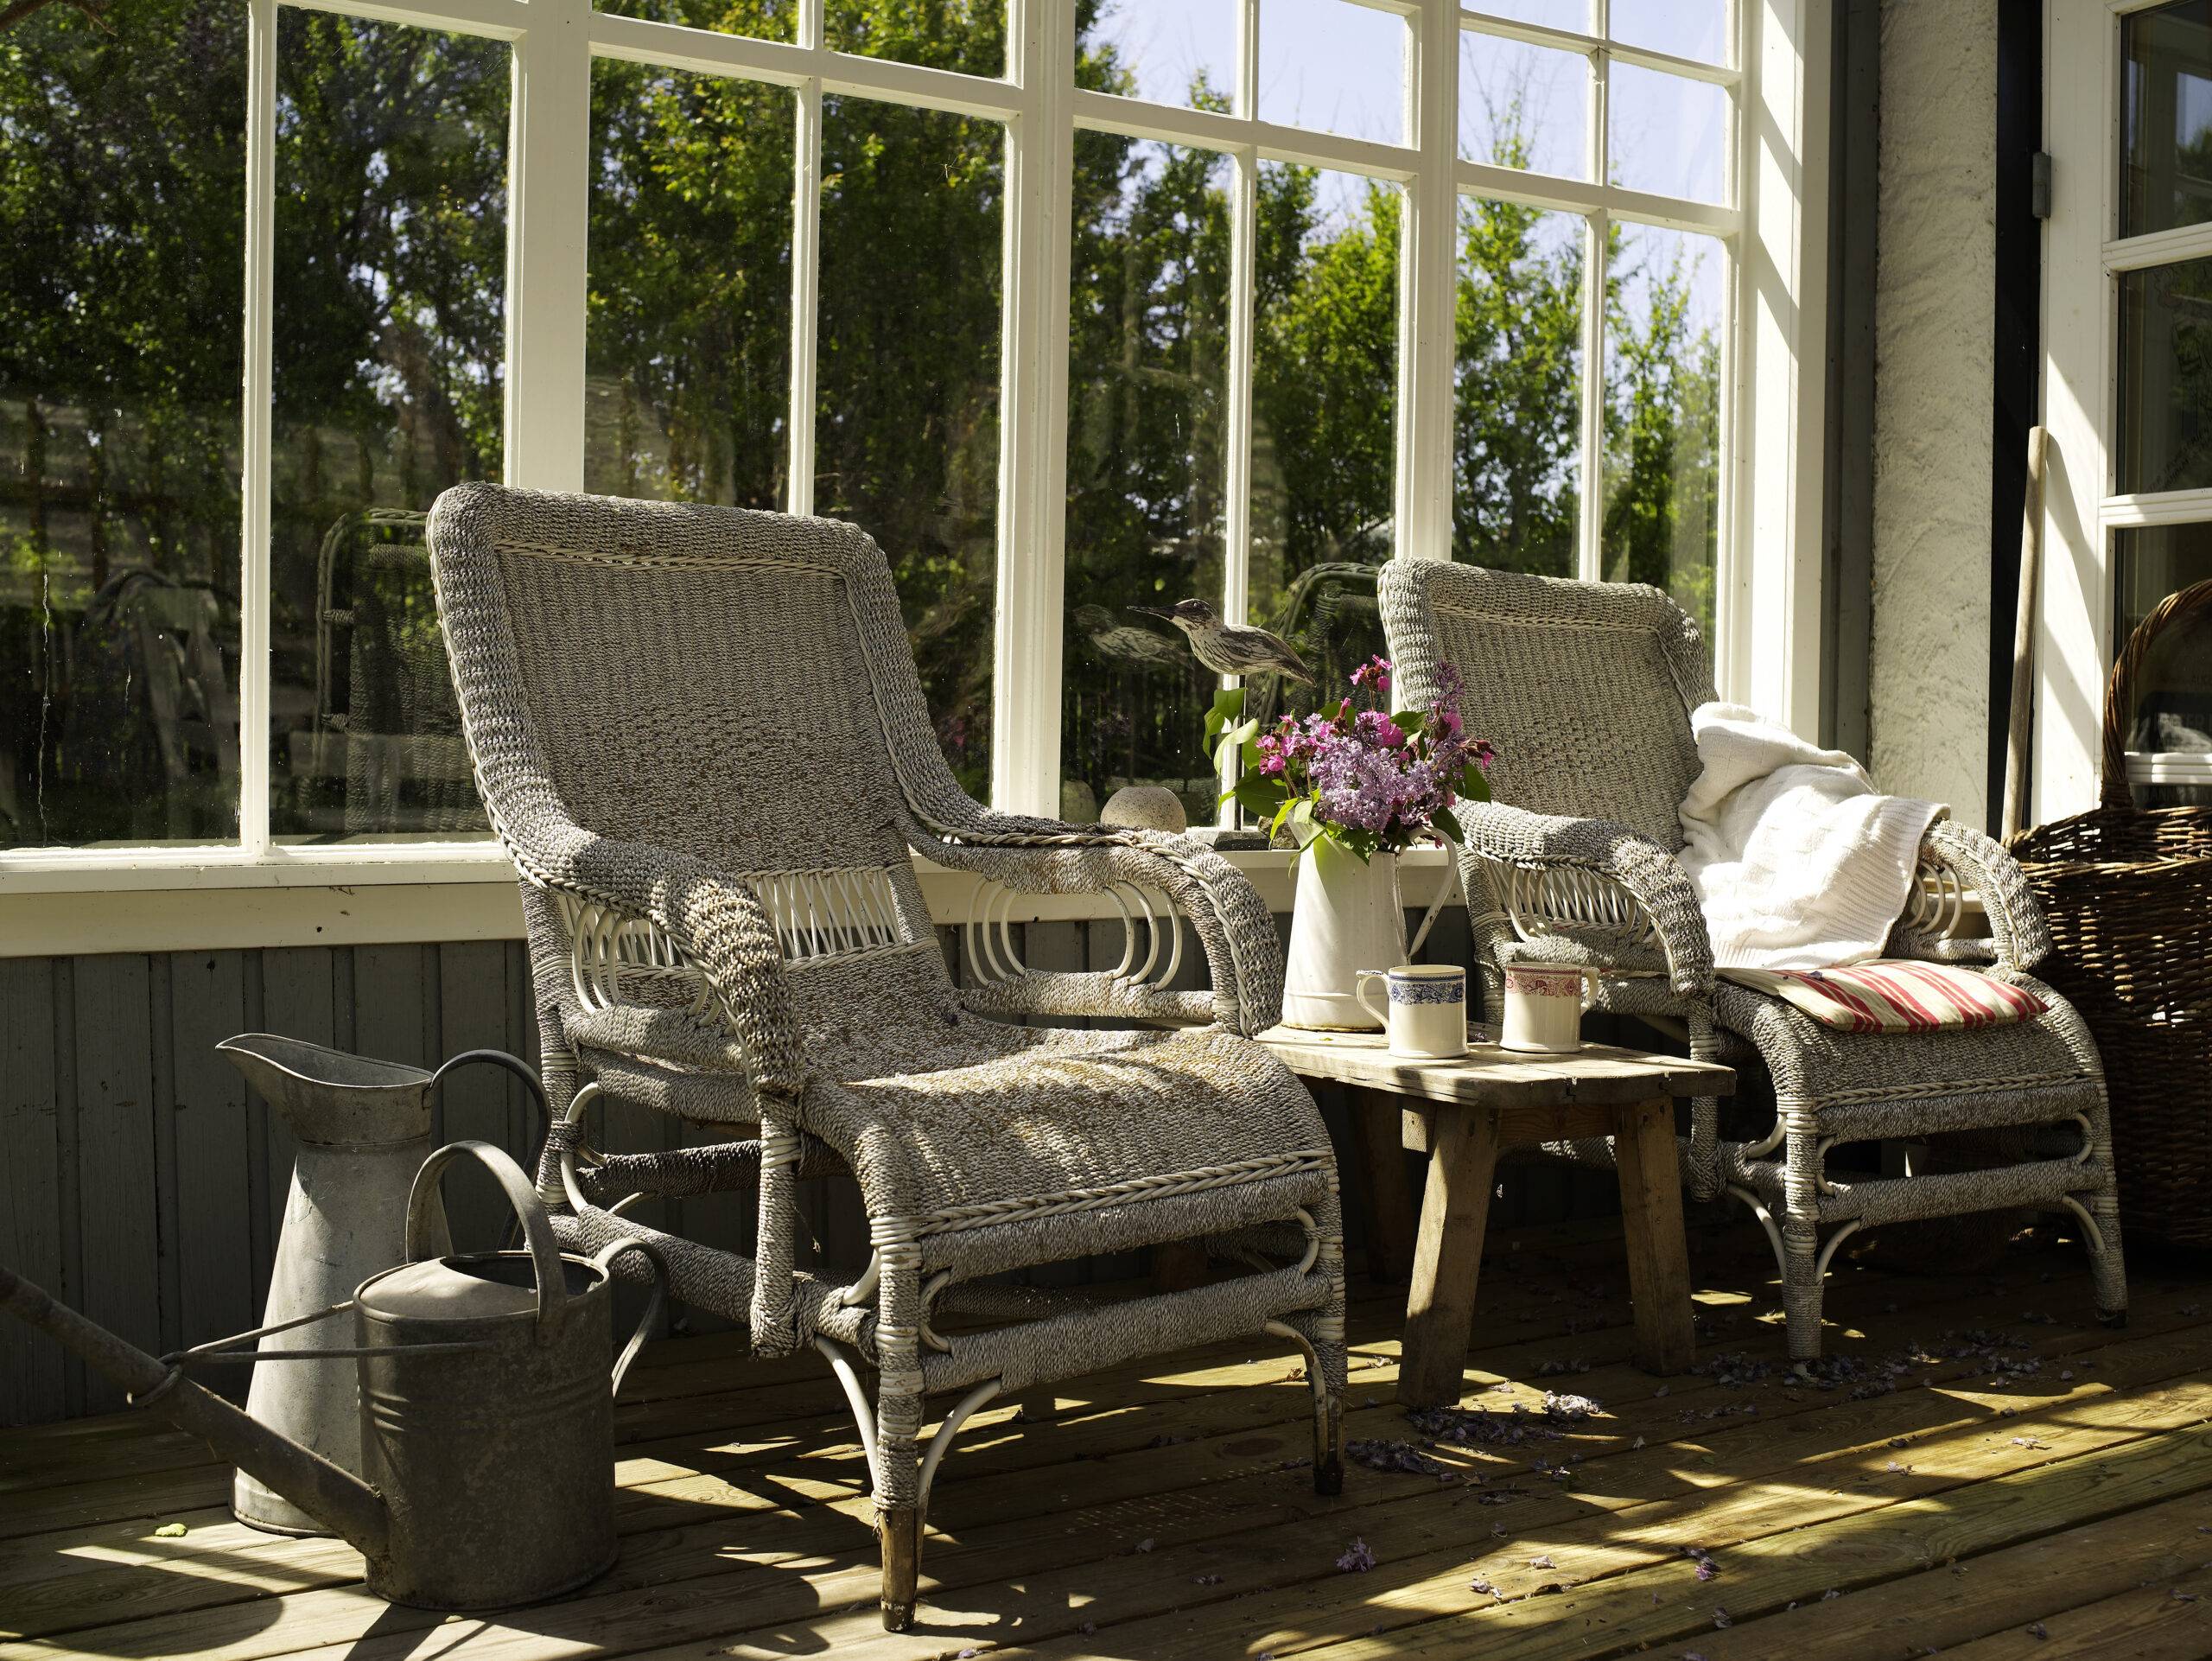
[(198, 899)]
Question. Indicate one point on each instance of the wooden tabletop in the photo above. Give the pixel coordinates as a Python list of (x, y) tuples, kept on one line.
[(1490, 1077)]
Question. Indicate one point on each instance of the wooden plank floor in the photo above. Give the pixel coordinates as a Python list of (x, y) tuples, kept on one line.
[(1982, 1470)]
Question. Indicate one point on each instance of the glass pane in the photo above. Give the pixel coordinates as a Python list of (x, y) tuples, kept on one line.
[(907, 435), (1662, 413), (2166, 89), (763, 20), (1335, 66), (1148, 369), (1523, 106), (2172, 716), (1323, 416), (1169, 51), (1688, 28), (1517, 430), (2163, 439), (689, 390), (391, 250), (1670, 136), (968, 35), (1553, 13), (119, 369)]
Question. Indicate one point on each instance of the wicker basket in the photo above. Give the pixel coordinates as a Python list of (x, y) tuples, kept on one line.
[(2127, 893)]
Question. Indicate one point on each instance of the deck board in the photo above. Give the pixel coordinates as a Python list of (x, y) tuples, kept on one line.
[(1162, 1511)]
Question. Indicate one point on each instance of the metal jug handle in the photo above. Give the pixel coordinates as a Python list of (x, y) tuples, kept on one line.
[(655, 1300), (537, 1226)]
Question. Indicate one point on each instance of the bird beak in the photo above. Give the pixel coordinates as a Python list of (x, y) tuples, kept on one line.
[(1154, 611)]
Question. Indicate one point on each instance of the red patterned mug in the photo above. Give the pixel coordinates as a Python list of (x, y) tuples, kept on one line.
[(1544, 1004)]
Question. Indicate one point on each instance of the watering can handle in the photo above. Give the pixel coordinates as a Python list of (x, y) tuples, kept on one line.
[(537, 1226), (657, 1265)]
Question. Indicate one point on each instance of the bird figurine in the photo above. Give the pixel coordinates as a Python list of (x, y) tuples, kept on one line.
[(1228, 649)]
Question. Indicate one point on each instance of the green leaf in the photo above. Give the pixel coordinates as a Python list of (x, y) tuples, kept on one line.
[(1258, 795), (1228, 705), (1412, 723), (1447, 826)]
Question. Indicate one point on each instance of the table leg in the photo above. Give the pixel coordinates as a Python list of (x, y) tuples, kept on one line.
[(1658, 1255), (1379, 1138), (1447, 1257)]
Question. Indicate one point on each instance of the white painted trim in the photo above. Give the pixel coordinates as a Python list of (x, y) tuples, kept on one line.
[(549, 217), (1592, 44), (1775, 662), (257, 424), (2158, 248), (378, 906), (1428, 277), (1597, 273), (806, 272)]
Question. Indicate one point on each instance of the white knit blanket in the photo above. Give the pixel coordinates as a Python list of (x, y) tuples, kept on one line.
[(1798, 863)]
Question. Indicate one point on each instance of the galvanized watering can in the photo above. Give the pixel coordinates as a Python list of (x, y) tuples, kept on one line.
[(488, 1420)]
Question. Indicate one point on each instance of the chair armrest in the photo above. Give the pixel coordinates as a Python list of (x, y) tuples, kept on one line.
[(2016, 931), (1649, 876), (714, 920), (1029, 856)]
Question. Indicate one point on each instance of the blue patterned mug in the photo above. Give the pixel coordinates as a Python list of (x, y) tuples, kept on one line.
[(1427, 1014)]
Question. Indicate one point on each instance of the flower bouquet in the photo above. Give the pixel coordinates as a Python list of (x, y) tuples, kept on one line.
[(1354, 785)]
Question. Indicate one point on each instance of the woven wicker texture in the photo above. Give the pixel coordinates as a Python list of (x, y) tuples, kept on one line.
[(1586, 690), (2127, 894), (699, 734)]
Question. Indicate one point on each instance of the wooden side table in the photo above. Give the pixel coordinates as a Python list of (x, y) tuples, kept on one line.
[(1464, 1113)]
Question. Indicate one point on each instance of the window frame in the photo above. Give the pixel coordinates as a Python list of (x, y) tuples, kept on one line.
[(1772, 227)]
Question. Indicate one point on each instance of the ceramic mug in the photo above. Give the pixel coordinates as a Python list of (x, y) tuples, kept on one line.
[(1427, 1014), (1544, 1004)]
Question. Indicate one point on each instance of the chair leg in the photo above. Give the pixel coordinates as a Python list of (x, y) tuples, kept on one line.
[(897, 1426), (899, 1531), (2107, 1270), (1320, 1334), (1801, 1290)]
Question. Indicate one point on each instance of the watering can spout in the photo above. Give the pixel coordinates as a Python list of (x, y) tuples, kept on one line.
[(342, 1499)]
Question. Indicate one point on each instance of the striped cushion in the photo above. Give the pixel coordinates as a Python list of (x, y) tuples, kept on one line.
[(1893, 995)]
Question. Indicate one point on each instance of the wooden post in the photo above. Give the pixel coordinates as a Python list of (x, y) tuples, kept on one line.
[(1447, 1255), (1651, 1218), (1390, 1200)]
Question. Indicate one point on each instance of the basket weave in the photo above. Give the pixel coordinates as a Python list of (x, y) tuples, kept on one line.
[(2127, 893)]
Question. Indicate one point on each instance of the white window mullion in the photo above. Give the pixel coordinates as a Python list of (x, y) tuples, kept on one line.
[(549, 212), (1237, 410), (806, 269), (1032, 412), (1590, 563), (260, 415), (1429, 281)]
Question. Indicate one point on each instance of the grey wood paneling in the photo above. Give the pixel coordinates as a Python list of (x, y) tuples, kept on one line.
[(140, 1180)]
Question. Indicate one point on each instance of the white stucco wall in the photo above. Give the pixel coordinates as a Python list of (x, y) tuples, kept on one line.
[(1934, 362)]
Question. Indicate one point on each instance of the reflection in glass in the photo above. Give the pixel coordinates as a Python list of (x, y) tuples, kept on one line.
[(2162, 437), (689, 390), (391, 251), (906, 430), (1662, 414), (119, 373), (1523, 106), (1668, 135), (1335, 66), (763, 20), (2166, 90), (967, 35), (1169, 51), (1147, 368), (1517, 429), (1688, 29), (2172, 720), (1324, 418)]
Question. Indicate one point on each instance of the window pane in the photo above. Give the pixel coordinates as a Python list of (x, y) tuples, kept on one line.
[(391, 260), (1553, 13), (1169, 51), (1324, 417), (968, 35), (1147, 367), (1523, 106), (1662, 414), (907, 436), (689, 388), (2163, 440), (1335, 66), (2172, 716), (1688, 28), (1516, 434), (2165, 164), (121, 175), (765, 20), (1670, 136)]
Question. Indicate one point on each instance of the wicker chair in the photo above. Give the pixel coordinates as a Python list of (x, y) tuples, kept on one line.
[(699, 734), (1586, 690)]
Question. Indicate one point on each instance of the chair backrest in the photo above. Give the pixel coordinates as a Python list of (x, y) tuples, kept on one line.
[(1586, 689), (733, 686)]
